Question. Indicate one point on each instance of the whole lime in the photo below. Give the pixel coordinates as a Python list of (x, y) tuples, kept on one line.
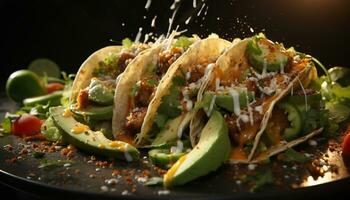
[(24, 84)]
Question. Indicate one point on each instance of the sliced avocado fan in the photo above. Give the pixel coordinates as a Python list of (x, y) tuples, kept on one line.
[(212, 150), (90, 141)]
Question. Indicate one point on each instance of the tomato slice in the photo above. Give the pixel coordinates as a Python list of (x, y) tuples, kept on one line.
[(26, 125), (52, 87), (346, 144)]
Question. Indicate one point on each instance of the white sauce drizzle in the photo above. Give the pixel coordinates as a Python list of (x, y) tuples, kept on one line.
[(178, 148), (211, 106), (235, 99), (172, 7), (209, 68), (264, 68), (148, 4), (153, 23), (146, 38), (217, 84), (281, 68), (194, 3), (138, 36), (259, 109), (188, 75), (171, 20), (200, 11), (127, 154), (188, 20), (250, 110)]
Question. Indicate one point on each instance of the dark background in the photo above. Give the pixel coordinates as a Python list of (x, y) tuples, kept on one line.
[(69, 31)]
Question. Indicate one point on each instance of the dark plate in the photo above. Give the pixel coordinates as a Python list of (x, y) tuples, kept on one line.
[(86, 177)]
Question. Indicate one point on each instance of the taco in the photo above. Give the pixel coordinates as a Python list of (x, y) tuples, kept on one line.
[(92, 93), (170, 109), (139, 82), (261, 90)]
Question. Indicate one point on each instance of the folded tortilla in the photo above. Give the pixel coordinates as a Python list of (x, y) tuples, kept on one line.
[(196, 61), (229, 70)]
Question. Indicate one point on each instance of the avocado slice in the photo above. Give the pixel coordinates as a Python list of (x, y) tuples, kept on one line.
[(93, 112), (212, 150), (225, 101), (91, 141), (168, 133)]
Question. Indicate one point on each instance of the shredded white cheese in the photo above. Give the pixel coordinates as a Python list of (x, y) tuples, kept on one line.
[(235, 99)]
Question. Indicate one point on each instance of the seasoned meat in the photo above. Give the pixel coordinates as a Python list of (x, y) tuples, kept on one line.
[(232, 128), (135, 120), (124, 59), (251, 86), (144, 94), (166, 58), (82, 99), (196, 73)]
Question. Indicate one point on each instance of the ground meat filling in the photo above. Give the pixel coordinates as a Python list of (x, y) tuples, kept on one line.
[(144, 94), (82, 99), (124, 60), (135, 120), (242, 133), (146, 90), (166, 58)]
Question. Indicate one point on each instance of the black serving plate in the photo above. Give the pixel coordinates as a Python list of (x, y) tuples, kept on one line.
[(84, 178), (69, 31)]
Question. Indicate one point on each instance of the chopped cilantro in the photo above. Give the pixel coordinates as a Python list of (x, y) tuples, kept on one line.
[(160, 120), (37, 154), (45, 163), (170, 105), (127, 43), (292, 156), (135, 88), (262, 179), (50, 131), (152, 82), (6, 125), (258, 181), (183, 42)]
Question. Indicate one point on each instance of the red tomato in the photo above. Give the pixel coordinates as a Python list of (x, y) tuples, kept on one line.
[(52, 87), (26, 125), (346, 144)]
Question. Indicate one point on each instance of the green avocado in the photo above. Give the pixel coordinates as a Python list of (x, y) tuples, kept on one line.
[(91, 141), (54, 99), (212, 150), (100, 93), (168, 133), (94, 112), (225, 101)]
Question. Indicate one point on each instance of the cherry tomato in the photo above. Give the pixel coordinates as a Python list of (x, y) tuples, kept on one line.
[(26, 125), (346, 144), (52, 87)]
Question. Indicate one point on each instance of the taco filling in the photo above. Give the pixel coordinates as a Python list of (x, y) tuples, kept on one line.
[(144, 89), (246, 92)]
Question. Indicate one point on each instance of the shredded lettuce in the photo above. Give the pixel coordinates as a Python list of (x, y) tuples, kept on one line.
[(171, 105), (127, 43), (50, 131), (183, 42)]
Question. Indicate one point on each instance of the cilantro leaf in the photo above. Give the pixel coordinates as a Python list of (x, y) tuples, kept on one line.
[(127, 43), (183, 42), (6, 125), (292, 156)]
